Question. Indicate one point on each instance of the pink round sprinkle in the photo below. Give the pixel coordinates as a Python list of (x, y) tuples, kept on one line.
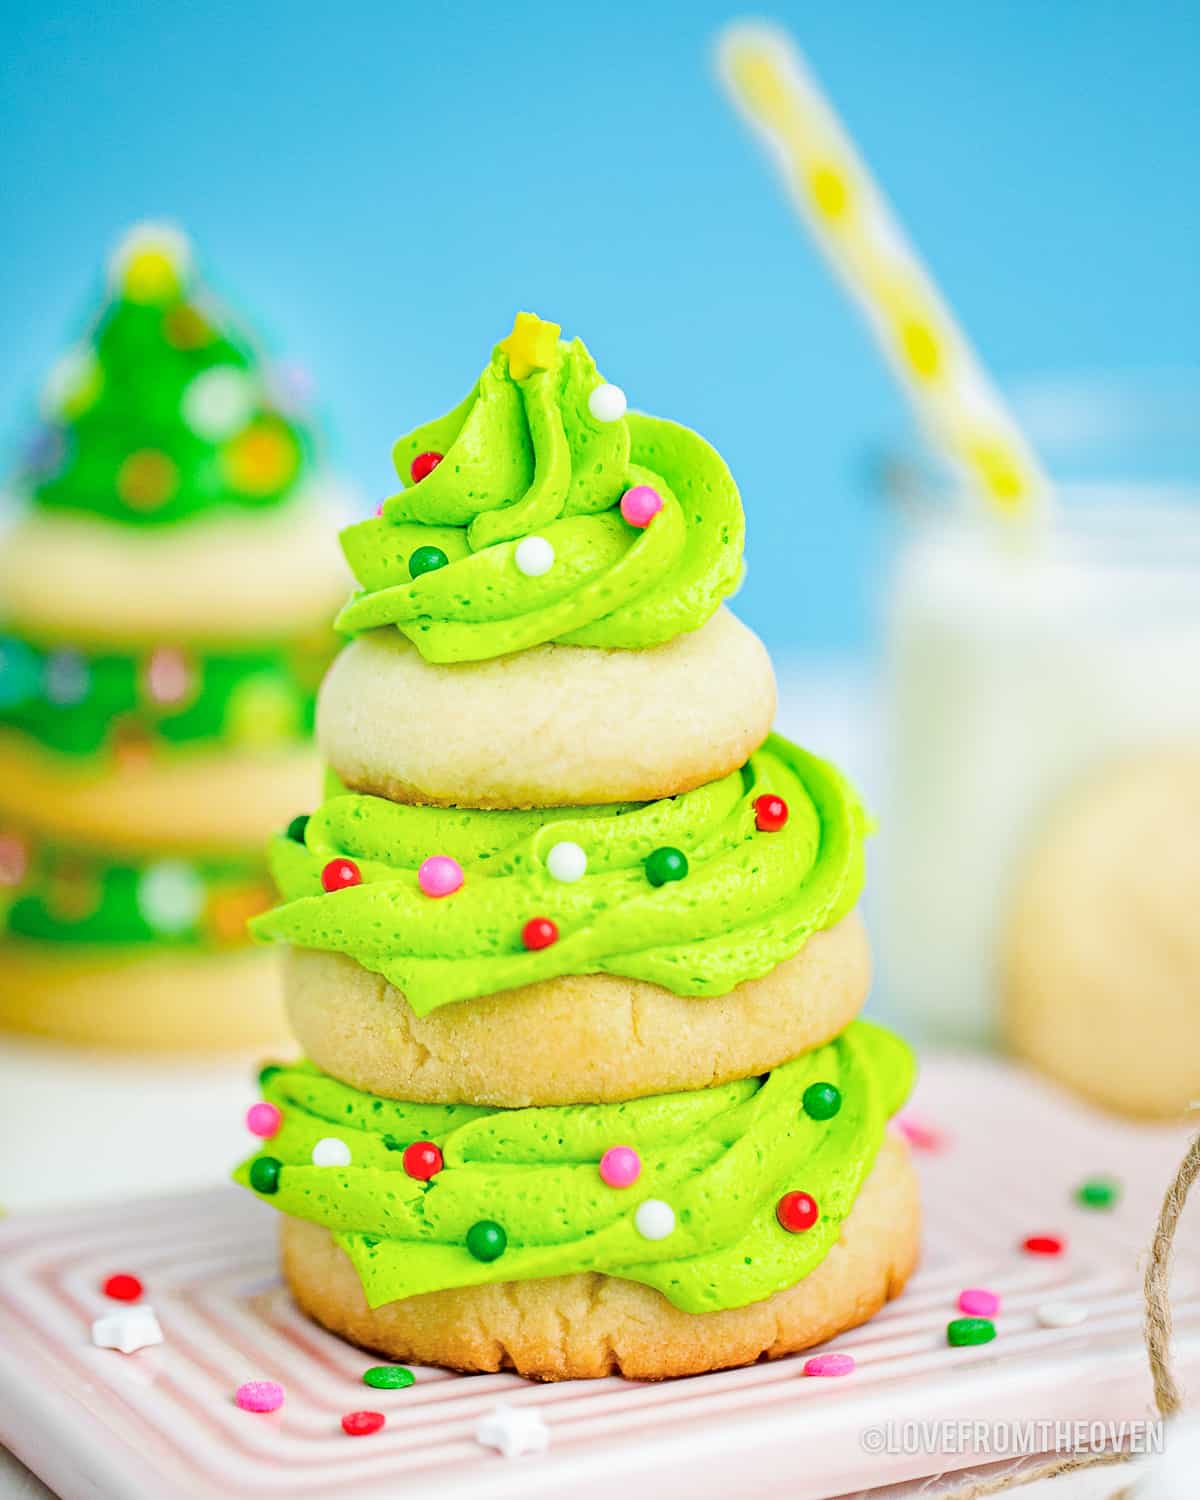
[(14, 859), (620, 1166), (919, 1135), (264, 1120), (168, 675), (978, 1302), (829, 1364), (260, 1395), (640, 505), (440, 875)]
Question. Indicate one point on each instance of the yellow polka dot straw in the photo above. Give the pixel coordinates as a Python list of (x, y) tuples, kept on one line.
[(826, 179)]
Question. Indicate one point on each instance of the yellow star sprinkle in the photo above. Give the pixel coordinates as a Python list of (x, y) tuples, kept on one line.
[(531, 345), (151, 264), (150, 276)]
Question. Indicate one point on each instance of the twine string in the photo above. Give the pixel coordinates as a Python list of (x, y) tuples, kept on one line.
[(1157, 1331)]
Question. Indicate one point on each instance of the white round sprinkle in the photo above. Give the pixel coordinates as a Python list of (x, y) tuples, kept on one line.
[(67, 679), (72, 376), (170, 896), (331, 1151), (654, 1219), (607, 403), (534, 556), (1061, 1314), (218, 402), (567, 862)]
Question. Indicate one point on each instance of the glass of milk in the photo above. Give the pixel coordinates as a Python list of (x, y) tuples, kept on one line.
[(1014, 672)]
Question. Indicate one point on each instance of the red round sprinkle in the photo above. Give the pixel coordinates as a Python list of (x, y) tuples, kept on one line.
[(770, 813), (122, 1287), (422, 1160), (1044, 1244), (797, 1212), (539, 932), (362, 1423), (424, 464), (339, 873)]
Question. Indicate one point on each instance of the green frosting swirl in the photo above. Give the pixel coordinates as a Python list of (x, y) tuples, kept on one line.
[(749, 900), (80, 701), (527, 457), (54, 893), (721, 1158)]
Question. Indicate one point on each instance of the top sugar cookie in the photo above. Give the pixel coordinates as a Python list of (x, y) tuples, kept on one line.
[(539, 510)]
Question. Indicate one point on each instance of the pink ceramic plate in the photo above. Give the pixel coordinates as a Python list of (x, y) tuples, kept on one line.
[(1000, 1155)]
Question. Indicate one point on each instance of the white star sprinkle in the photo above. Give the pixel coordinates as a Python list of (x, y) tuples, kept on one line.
[(513, 1431), (129, 1329)]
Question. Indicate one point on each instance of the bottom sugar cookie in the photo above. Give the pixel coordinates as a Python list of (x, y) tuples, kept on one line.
[(166, 1001), (655, 1236), (589, 1324)]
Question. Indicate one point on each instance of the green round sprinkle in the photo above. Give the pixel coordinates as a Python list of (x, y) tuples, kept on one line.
[(426, 560), (295, 829), (266, 1074), (487, 1240), (970, 1331), (264, 1174), (388, 1377), (822, 1101), (666, 864), (1097, 1192)]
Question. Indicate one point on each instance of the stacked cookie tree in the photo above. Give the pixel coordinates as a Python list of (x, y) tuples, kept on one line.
[(164, 602), (573, 951)]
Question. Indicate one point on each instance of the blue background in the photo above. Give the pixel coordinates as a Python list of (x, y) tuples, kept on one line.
[(383, 184)]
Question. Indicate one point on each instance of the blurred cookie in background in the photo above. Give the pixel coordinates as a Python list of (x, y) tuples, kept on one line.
[(1101, 960), (166, 590)]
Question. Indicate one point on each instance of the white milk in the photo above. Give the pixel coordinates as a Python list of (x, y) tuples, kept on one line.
[(1011, 677)]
